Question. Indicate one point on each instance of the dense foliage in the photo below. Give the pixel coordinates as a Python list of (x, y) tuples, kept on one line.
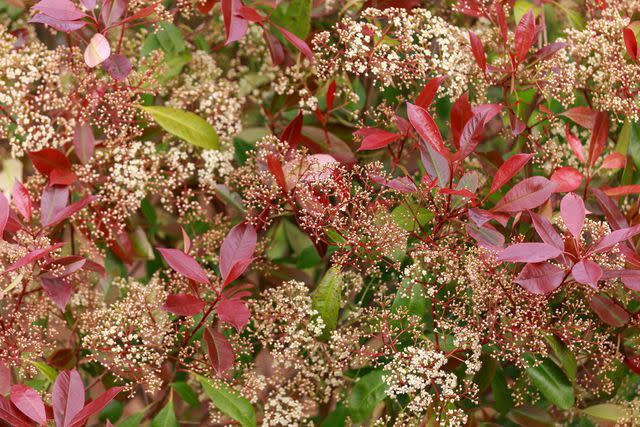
[(328, 213)]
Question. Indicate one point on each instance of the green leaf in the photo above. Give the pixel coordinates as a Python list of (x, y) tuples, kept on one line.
[(185, 125), (50, 373), (564, 355), (366, 394), (294, 16), (166, 417), (326, 298), (552, 383), (227, 401), (605, 411)]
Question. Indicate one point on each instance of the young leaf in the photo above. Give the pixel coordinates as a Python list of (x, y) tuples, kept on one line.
[(219, 350), (326, 298), (184, 264), (183, 304), (67, 397), (228, 402), (185, 125), (29, 402)]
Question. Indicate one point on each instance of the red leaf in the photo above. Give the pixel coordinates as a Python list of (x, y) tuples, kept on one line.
[(4, 213), (540, 278), (609, 311), (614, 161), (95, 406), (184, 265), (545, 230), (598, 137), (584, 116), (68, 211), (183, 305), (219, 350), (615, 237), (48, 159), (235, 26), (460, 114), (297, 42), (574, 143), (32, 256), (67, 397), (423, 123), (233, 311), (529, 252), (239, 245), (478, 50), (566, 179), (54, 199), (29, 402), (623, 190), (573, 213), (527, 194), (376, 138), (524, 34), (22, 200), (630, 43), (59, 290), (587, 272), (508, 170), (428, 93)]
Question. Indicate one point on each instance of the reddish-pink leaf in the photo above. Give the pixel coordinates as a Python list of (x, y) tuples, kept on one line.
[(615, 237), (59, 290), (32, 256), (184, 265), (95, 406), (529, 252), (219, 350), (22, 200), (68, 211), (623, 190), (545, 230), (376, 138), (630, 43), (524, 34), (478, 50), (460, 114), (54, 199), (573, 213), (574, 143), (527, 194), (508, 170), (5, 210), (428, 93), (235, 26), (183, 304), (63, 10), (540, 278), (426, 127), (29, 402), (587, 272), (566, 179), (239, 245), (300, 44), (614, 161), (609, 311), (584, 116), (233, 311), (67, 397), (598, 137), (48, 159)]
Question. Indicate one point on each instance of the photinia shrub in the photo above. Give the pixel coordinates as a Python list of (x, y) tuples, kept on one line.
[(317, 213)]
